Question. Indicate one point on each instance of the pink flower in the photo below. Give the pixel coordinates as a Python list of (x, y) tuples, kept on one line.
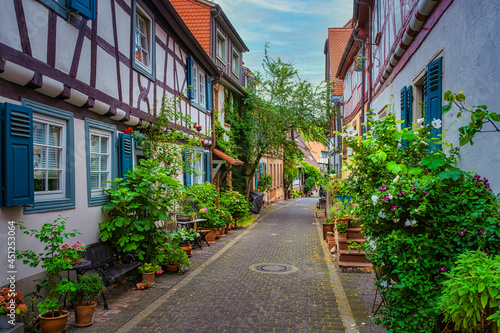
[(65, 247)]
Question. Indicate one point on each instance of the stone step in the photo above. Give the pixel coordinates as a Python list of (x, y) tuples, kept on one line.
[(354, 233), (353, 256), (355, 264), (344, 243)]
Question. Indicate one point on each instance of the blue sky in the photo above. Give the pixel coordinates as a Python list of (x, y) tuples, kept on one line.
[(295, 29)]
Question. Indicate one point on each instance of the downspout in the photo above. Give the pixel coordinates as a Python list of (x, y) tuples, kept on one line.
[(356, 31), (358, 2)]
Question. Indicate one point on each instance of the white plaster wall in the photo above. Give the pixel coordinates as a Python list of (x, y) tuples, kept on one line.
[(37, 19), (467, 35), (125, 79), (84, 65), (106, 77), (66, 36), (10, 31), (123, 21), (83, 218), (104, 21)]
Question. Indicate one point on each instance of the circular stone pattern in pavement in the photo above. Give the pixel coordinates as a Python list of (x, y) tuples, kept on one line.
[(273, 268)]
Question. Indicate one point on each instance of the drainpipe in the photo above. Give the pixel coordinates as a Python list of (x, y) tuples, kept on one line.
[(358, 2), (363, 74)]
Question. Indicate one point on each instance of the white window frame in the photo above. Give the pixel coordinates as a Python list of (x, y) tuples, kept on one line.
[(199, 95), (235, 62), (101, 134), (141, 16), (58, 194), (222, 54)]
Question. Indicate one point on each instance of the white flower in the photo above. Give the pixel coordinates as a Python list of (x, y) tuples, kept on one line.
[(420, 121), (350, 132), (395, 180), (381, 215), (373, 245), (396, 220), (390, 196), (436, 123), (411, 223), (374, 199)]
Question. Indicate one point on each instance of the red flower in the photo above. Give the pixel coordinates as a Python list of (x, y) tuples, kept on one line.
[(202, 142), (128, 130)]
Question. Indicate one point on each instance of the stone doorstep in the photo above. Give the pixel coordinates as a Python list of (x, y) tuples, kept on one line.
[(17, 328)]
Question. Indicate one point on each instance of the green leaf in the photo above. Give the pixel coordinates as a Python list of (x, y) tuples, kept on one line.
[(433, 162), (484, 299), (481, 287), (415, 171)]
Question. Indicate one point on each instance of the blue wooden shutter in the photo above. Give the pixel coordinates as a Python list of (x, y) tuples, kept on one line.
[(187, 175), (206, 167), (256, 179), (190, 77), (433, 98), (125, 155), (208, 91), (404, 109), (86, 8), (409, 105), (17, 155)]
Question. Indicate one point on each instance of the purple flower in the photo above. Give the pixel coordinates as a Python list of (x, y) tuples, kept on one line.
[(447, 277), (462, 232), (384, 188), (480, 232), (487, 253), (401, 193), (442, 269), (394, 208), (425, 192), (385, 197), (413, 187)]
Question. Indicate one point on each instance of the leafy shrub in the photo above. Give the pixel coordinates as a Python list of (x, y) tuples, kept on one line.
[(235, 203), (471, 295), (420, 212), (146, 196), (202, 195), (265, 182), (216, 217), (309, 184), (87, 288)]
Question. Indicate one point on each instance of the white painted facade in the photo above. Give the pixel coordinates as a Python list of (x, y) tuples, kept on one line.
[(100, 88)]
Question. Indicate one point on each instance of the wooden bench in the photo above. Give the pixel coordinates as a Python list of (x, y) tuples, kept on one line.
[(105, 261)]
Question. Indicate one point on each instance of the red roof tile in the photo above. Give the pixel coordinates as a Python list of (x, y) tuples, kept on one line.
[(227, 158), (196, 15), (338, 38)]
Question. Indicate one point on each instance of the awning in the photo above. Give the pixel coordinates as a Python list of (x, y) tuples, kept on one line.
[(227, 158)]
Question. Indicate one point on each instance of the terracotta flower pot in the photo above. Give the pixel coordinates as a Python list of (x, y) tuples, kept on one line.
[(53, 324), (84, 314), (188, 249), (217, 233), (327, 228), (148, 277), (210, 237), (171, 268), (222, 232)]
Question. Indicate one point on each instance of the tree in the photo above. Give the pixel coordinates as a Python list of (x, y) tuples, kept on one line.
[(269, 120)]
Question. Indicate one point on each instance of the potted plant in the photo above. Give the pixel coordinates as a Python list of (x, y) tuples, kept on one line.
[(359, 63), (83, 298), (176, 260), (11, 304), (72, 253), (328, 226), (52, 317), (183, 239), (148, 272)]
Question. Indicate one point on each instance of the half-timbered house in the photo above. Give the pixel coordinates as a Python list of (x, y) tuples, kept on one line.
[(223, 44), (73, 76), (416, 50)]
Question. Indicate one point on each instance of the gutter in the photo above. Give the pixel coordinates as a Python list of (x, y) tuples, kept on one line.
[(424, 10)]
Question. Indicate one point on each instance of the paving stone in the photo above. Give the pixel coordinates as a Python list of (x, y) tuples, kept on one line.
[(229, 296)]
